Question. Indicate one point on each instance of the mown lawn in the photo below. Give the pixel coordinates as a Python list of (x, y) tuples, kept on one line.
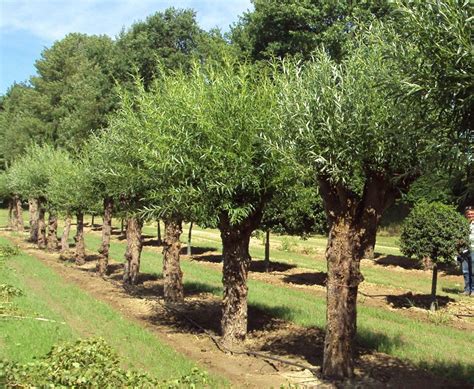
[(47, 295)]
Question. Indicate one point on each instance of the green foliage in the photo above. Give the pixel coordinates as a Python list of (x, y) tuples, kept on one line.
[(75, 79), (441, 31), (30, 175), (20, 122), (70, 187), (8, 250), (90, 363), (167, 39), (434, 230), (348, 124), (294, 27)]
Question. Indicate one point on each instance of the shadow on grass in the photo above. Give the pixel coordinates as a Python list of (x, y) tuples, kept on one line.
[(195, 250), (214, 258), (313, 278), (423, 301), (397, 260), (259, 266), (153, 242), (453, 290)]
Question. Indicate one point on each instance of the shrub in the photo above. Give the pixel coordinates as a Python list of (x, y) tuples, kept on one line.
[(434, 230), (86, 363)]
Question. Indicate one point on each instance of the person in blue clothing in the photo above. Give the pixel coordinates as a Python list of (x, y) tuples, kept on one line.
[(466, 258)]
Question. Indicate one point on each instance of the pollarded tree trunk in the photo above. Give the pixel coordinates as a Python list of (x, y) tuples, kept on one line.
[(18, 212), (134, 250), (172, 274), (52, 231), (345, 212), (344, 276), (235, 251), (65, 235), (379, 194), (33, 213), (41, 226), (106, 232), (80, 254), (11, 220)]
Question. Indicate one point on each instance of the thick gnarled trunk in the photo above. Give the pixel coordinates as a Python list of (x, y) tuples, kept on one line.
[(133, 251), (41, 226), (80, 253), (33, 214), (52, 231), (65, 235), (235, 251), (18, 214), (353, 221), (106, 232), (172, 274), (344, 276)]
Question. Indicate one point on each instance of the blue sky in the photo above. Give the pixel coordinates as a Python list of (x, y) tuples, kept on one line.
[(27, 26)]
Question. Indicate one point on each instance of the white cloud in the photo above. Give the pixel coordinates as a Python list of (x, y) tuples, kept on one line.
[(52, 19)]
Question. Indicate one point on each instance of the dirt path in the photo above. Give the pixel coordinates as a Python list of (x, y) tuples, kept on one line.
[(267, 334)]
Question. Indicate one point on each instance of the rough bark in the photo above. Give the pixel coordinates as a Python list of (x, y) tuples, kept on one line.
[(106, 232), (189, 247), (18, 214), (434, 282), (92, 221), (267, 250), (378, 196), (41, 226), (343, 279), (65, 235), (52, 232), (134, 250), (235, 242), (172, 274), (11, 220), (80, 254), (346, 218), (33, 213)]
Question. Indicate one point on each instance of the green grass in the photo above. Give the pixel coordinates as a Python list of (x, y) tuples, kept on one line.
[(47, 295), (440, 348)]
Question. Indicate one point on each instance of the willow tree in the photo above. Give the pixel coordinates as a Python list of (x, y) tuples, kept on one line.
[(119, 165), (30, 175), (233, 116), (366, 145), (70, 191), (159, 130)]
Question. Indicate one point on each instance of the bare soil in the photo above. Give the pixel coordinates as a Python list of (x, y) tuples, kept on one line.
[(192, 328)]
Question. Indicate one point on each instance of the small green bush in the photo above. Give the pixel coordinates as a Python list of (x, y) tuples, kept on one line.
[(8, 250), (434, 230), (90, 363)]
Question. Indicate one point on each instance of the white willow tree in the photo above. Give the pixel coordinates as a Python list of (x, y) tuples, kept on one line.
[(30, 175), (159, 131), (70, 191), (366, 145), (232, 117), (117, 165)]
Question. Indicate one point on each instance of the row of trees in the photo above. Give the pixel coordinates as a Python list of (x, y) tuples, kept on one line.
[(208, 132)]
